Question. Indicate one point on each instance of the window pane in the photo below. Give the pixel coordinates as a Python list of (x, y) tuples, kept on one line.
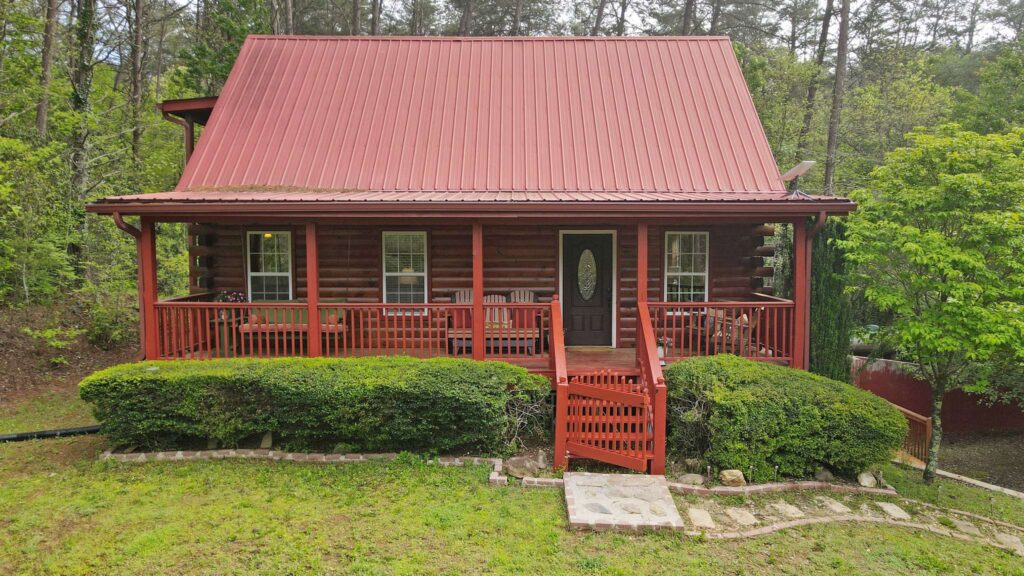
[(266, 288), (405, 289)]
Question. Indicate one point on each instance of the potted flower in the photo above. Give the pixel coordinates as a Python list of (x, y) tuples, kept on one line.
[(227, 318), (662, 343)]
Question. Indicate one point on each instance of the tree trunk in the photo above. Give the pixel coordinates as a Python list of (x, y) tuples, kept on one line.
[(289, 14), (517, 19), (375, 17), (275, 17), (356, 16), (466, 22), (137, 88), (598, 17), (938, 392), (81, 88), (46, 73), (160, 54), (689, 9), (716, 15), (812, 88), (842, 52), (972, 25), (620, 24)]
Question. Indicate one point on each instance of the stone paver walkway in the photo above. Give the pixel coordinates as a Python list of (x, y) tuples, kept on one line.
[(634, 502), (623, 501)]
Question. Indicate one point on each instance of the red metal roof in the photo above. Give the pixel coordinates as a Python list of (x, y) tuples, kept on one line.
[(585, 116)]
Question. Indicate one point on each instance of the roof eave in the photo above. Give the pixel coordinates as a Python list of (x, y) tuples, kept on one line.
[(470, 209)]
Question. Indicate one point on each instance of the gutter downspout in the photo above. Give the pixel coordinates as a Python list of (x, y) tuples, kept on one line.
[(190, 133), (137, 234)]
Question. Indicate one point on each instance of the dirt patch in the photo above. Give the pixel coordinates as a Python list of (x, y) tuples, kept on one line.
[(25, 369), (993, 457)]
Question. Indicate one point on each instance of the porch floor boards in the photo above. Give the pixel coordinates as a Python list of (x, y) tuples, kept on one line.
[(588, 359)]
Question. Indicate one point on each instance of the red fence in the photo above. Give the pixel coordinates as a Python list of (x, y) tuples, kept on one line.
[(756, 330), (961, 412)]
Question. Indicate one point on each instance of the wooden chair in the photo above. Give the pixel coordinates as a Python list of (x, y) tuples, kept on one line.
[(732, 334)]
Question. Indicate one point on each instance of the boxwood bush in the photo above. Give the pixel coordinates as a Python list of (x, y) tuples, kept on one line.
[(737, 413), (375, 404)]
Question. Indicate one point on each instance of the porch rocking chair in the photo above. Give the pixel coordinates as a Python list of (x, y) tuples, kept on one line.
[(731, 334)]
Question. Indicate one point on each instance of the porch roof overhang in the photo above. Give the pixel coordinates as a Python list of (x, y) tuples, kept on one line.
[(328, 204)]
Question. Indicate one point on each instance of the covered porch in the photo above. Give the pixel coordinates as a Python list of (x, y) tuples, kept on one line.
[(497, 296)]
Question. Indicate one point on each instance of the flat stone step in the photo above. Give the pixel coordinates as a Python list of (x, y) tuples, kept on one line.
[(619, 501), (893, 511), (787, 510), (966, 527), (741, 516), (700, 518), (1010, 541), (832, 505)]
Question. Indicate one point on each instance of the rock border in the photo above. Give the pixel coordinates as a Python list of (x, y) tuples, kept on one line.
[(773, 487), (964, 479), (496, 477), (779, 526)]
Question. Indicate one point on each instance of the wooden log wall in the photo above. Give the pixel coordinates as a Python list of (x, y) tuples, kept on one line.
[(515, 257)]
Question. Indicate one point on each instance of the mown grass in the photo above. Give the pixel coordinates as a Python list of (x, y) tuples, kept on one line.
[(57, 409), (955, 495), (63, 512)]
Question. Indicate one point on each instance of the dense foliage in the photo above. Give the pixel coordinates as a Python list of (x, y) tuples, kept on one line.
[(937, 245), (440, 405), (830, 306), (737, 413)]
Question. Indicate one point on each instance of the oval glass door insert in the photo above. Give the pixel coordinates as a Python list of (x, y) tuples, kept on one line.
[(586, 274)]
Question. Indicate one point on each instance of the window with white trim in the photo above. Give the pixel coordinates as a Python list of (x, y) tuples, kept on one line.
[(270, 265), (686, 266), (405, 267)]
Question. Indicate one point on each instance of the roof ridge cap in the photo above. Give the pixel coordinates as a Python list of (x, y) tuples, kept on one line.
[(295, 37)]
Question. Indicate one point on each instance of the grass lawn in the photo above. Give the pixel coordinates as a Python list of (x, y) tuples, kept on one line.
[(51, 409), (63, 512), (955, 495)]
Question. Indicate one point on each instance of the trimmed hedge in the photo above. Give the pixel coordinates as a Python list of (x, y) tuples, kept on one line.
[(377, 404), (737, 413)]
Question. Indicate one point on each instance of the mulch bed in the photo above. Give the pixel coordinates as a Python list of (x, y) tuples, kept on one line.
[(997, 458)]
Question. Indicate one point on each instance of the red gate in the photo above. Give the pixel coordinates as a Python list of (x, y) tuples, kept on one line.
[(609, 418)]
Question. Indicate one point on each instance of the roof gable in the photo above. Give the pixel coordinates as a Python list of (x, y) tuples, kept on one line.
[(511, 114)]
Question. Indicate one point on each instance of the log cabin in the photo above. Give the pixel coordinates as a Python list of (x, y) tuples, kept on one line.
[(588, 208)]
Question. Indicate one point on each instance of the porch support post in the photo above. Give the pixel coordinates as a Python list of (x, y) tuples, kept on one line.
[(478, 292), (801, 294), (147, 289), (312, 290), (641, 277)]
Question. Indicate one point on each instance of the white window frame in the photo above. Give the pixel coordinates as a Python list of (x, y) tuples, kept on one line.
[(707, 258), (384, 262), (248, 262)]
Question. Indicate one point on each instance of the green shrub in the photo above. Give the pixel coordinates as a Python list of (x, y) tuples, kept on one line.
[(740, 414), (375, 404)]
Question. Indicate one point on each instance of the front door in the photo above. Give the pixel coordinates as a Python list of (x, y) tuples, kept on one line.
[(587, 294)]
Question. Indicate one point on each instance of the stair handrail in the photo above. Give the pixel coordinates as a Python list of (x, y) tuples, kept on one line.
[(654, 379), (560, 379)]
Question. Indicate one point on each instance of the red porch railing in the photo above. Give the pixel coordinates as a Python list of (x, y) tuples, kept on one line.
[(422, 330), (653, 380), (516, 331), (192, 329), (204, 330), (919, 434), (759, 330)]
